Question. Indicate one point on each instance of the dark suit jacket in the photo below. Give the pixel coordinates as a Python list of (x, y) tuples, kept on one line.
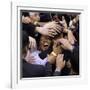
[(75, 59), (29, 29), (32, 70)]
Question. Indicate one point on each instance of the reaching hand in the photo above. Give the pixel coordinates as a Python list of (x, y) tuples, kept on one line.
[(71, 37), (51, 59), (32, 42), (26, 20), (46, 31), (29, 58), (56, 48), (65, 44), (64, 24), (60, 63), (49, 29), (52, 25)]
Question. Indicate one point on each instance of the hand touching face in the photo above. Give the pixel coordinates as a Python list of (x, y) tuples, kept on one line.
[(29, 58), (56, 48), (60, 63), (32, 42), (26, 20), (65, 44)]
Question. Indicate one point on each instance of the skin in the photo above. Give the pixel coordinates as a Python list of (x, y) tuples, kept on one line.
[(60, 63), (45, 43), (48, 29), (65, 44), (34, 16), (32, 42), (26, 20)]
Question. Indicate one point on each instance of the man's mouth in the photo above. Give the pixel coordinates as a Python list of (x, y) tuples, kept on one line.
[(46, 46)]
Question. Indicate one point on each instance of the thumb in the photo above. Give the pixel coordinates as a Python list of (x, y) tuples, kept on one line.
[(60, 40)]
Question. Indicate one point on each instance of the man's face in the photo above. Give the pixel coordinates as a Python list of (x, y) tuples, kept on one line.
[(45, 43), (35, 16)]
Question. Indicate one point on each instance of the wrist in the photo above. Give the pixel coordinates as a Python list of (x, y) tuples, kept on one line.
[(71, 48), (54, 54), (37, 29), (51, 59)]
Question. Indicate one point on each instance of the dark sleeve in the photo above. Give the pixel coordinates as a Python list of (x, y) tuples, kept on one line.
[(48, 68), (49, 71), (29, 29), (76, 54), (75, 59), (32, 70), (57, 73)]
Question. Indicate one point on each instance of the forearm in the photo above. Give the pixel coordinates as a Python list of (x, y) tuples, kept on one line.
[(49, 71), (48, 68), (37, 29), (75, 55), (52, 57)]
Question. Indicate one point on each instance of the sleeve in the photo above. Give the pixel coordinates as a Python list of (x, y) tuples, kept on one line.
[(57, 73), (48, 68), (49, 71), (29, 29), (33, 70), (75, 59), (75, 54)]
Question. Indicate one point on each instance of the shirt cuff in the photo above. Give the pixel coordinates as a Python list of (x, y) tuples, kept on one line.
[(58, 70)]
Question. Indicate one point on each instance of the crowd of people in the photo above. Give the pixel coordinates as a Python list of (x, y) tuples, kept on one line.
[(50, 44)]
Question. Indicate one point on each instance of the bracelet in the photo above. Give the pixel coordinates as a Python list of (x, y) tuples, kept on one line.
[(54, 54), (35, 23)]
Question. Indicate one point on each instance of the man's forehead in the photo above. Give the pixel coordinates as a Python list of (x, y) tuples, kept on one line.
[(45, 37), (33, 13)]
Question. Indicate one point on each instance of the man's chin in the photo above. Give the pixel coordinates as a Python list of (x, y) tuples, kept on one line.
[(44, 49)]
